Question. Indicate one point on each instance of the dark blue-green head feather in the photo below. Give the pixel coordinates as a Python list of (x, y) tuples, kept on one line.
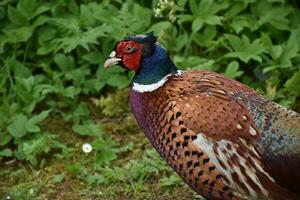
[(144, 55)]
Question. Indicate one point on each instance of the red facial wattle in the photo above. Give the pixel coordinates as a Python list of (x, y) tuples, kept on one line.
[(131, 60)]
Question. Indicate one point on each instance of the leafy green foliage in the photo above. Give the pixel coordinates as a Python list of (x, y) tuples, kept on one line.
[(51, 57)]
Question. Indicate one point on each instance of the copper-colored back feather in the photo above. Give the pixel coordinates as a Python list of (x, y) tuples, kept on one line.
[(204, 126)]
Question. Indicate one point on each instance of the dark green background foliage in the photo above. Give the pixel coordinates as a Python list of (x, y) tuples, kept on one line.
[(52, 53)]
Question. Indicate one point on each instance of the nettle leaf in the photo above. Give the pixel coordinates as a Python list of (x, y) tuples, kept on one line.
[(244, 49), (18, 127)]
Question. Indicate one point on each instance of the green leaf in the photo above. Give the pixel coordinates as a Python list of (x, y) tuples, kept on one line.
[(235, 9), (58, 178), (244, 49), (180, 41), (70, 92), (290, 50), (197, 24), (232, 70), (238, 23), (194, 7), (82, 111), (6, 153), (205, 38), (276, 15), (171, 181), (293, 84), (94, 57), (214, 20), (20, 34), (157, 28), (31, 125), (85, 15), (106, 151), (95, 179), (5, 138), (89, 128), (18, 127), (16, 17), (29, 5), (118, 80), (65, 63), (2, 13)]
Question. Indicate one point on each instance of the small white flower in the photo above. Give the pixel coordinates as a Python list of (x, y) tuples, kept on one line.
[(8, 197), (31, 191), (87, 148)]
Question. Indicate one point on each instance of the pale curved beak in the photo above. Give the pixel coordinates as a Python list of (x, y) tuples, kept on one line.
[(112, 60)]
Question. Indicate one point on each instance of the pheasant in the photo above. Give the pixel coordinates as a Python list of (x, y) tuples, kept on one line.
[(221, 137)]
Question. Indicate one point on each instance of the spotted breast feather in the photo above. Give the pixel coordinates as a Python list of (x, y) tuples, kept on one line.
[(203, 126)]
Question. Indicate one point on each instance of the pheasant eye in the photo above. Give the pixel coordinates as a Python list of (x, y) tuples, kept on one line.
[(129, 49)]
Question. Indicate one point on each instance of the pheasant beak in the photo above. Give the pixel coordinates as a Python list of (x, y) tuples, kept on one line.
[(112, 60)]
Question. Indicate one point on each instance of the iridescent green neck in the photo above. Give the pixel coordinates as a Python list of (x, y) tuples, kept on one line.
[(155, 67)]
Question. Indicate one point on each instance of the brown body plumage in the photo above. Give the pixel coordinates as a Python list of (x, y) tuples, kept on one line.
[(200, 123), (224, 139)]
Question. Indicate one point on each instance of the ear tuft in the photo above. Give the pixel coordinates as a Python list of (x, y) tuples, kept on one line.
[(148, 38)]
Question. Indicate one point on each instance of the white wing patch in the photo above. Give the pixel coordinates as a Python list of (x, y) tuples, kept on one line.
[(226, 150)]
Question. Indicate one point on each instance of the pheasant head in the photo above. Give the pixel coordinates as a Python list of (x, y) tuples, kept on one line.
[(143, 55)]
